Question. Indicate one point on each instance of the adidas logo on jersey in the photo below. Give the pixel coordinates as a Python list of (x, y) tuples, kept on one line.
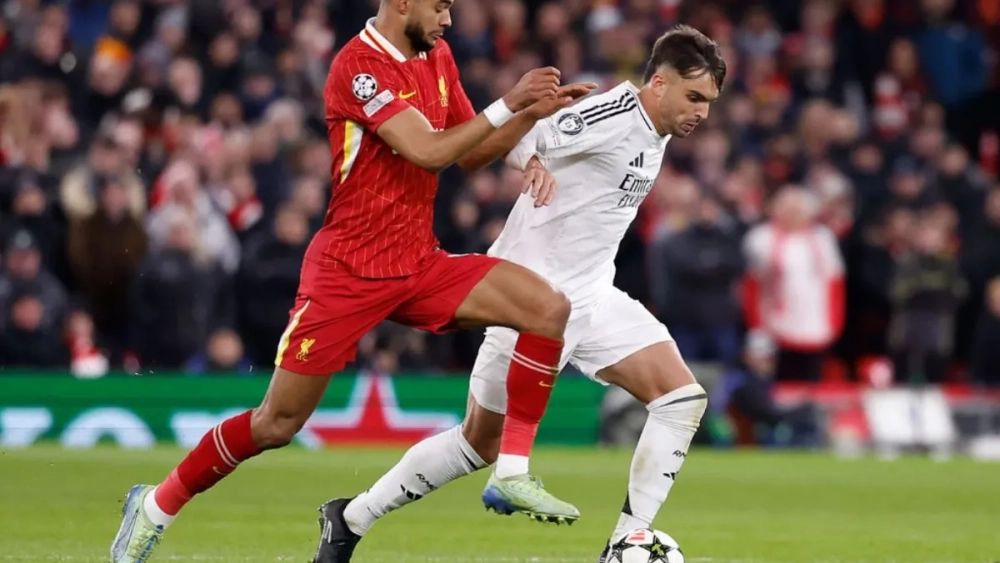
[(637, 161)]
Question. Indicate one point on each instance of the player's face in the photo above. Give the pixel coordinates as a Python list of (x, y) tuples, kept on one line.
[(683, 102), (426, 22)]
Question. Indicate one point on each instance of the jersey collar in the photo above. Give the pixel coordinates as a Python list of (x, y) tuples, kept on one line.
[(642, 111), (371, 37)]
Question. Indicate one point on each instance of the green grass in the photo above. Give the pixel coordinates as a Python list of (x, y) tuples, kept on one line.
[(727, 507)]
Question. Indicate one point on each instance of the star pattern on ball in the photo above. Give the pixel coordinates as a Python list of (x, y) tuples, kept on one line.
[(657, 550)]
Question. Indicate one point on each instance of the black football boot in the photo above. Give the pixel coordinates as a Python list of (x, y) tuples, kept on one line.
[(337, 541)]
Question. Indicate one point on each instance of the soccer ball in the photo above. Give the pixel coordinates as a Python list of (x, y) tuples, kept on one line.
[(645, 545)]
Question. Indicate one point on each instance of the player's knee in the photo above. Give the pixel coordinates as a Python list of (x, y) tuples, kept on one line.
[(684, 406), (664, 381), (275, 430), (650, 380), (699, 404), (552, 315)]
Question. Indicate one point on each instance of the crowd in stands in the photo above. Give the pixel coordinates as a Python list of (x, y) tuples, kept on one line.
[(165, 162)]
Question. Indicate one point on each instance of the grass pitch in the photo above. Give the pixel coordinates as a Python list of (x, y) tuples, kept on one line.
[(727, 507)]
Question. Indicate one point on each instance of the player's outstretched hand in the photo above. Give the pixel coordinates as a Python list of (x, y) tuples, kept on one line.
[(533, 86), (564, 97), (539, 182)]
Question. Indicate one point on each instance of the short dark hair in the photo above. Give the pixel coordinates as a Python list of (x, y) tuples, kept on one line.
[(689, 52)]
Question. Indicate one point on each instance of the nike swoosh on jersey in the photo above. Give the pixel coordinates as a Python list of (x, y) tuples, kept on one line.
[(407, 95)]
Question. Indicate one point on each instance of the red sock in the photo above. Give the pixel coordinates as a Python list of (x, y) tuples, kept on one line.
[(530, 381), (217, 455)]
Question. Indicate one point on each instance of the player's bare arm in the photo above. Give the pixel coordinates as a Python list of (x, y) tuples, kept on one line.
[(411, 135), (503, 139)]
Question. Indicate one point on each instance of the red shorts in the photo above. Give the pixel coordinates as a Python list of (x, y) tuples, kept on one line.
[(334, 309)]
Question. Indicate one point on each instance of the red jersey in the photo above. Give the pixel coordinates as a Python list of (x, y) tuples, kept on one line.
[(380, 220)]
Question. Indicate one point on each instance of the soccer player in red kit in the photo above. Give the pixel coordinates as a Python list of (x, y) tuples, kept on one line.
[(396, 115)]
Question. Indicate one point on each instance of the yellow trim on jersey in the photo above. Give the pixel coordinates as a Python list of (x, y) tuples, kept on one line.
[(286, 337), (352, 143)]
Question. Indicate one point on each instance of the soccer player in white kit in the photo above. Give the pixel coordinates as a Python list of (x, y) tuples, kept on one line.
[(604, 154)]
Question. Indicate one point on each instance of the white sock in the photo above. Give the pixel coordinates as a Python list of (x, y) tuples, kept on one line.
[(424, 468), (153, 511), (673, 419), (509, 465)]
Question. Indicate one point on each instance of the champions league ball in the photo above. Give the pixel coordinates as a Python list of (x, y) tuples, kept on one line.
[(645, 546)]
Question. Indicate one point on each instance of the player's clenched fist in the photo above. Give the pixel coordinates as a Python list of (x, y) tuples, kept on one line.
[(533, 86)]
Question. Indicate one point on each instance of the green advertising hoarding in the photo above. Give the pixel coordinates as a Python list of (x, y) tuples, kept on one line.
[(141, 411)]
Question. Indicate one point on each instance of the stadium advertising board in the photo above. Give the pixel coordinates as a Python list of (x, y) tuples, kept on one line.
[(141, 411)]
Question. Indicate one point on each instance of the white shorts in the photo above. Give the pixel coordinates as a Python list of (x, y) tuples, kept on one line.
[(599, 336)]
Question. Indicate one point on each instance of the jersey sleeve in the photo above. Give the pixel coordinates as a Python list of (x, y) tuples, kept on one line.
[(568, 133), (364, 90), (526, 148)]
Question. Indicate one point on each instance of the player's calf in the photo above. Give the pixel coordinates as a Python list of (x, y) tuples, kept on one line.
[(482, 429), (513, 296), (426, 467), (290, 401), (149, 510), (676, 403), (274, 428)]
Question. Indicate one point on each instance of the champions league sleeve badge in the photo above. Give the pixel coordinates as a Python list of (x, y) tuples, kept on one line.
[(364, 86), (570, 124)]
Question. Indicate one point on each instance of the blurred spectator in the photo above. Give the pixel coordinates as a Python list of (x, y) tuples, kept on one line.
[(952, 53), (183, 195), (180, 297), (747, 391), (836, 199), (268, 280), (874, 261), (23, 267), (31, 335), (701, 266), (32, 211), (105, 250), (926, 290), (79, 189), (86, 360), (795, 284), (33, 305), (237, 198), (223, 354), (899, 91), (982, 260), (986, 346)]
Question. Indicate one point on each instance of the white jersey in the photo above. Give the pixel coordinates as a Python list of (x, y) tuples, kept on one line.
[(604, 154)]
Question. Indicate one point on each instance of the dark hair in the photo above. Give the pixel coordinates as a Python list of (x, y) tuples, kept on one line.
[(689, 52)]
